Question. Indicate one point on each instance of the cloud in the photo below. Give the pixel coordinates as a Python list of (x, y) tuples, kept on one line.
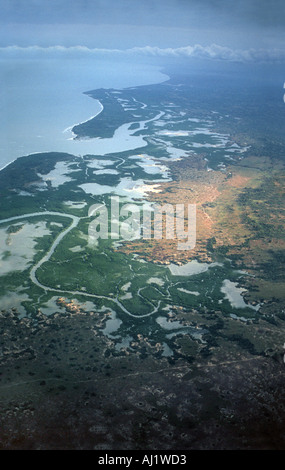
[(211, 52), (215, 51)]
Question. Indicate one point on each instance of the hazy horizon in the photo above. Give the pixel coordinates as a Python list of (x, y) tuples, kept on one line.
[(52, 52), (238, 25)]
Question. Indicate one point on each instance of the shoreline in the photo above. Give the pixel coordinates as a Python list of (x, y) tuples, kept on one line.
[(10, 163), (69, 129)]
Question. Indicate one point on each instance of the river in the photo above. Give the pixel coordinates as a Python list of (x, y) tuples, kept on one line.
[(42, 95)]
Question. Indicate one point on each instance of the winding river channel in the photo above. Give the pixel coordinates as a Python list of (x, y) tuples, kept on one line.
[(47, 256)]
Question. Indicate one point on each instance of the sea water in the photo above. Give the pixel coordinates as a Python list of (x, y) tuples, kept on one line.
[(42, 95)]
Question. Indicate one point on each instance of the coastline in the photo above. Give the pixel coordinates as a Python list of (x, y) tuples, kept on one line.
[(68, 129), (10, 163)]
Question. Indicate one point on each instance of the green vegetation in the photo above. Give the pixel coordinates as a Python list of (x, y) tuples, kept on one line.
[(99, 274)]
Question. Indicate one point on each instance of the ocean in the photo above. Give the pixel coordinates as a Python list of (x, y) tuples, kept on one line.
[(42, 96)]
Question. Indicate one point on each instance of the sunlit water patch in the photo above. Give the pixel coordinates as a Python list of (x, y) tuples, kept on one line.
[(59, 175), (191, 268), (181, 289), (75, 204), (176, 327), (18, 245), (15, 299), (51, 306), (234, 295), (112, 325), (127, 187), (151, 166)]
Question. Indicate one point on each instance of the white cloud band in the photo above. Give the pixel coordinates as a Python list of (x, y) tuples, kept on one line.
[(213, 51)]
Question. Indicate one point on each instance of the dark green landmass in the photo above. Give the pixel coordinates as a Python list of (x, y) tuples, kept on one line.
[(110, 349)]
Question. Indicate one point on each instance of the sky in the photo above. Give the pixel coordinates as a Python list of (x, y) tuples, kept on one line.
[(226, 29), (90, 44)]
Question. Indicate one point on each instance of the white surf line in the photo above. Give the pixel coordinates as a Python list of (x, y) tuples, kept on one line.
[(69, 129), (46, 257), (9, 163)]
